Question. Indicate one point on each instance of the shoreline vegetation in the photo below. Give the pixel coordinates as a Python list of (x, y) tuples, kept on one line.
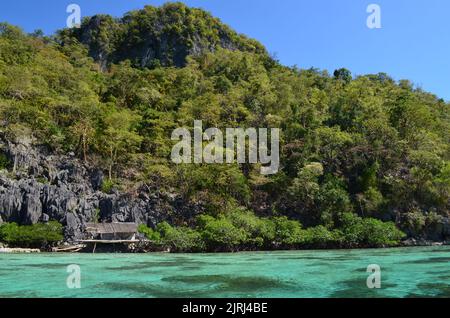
[(240, 231), (87, 114)]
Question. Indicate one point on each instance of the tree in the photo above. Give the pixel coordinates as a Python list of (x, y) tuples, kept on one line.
[(303, 192), (221, 234), (343, 75), (85, 130), (37, 235), (120, 137), (181, 239)]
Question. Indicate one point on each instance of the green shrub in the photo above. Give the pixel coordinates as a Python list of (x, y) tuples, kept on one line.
[(369, 232), (96, 216), (220, 234), (380, 234), (149, 233), (260, 231), (243, 230), (332, 201), (288, 233), (37, 235), (321, 237), (181, 239), (107, 185)]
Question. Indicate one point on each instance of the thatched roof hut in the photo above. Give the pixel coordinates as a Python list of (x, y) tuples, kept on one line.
[(112, 231)]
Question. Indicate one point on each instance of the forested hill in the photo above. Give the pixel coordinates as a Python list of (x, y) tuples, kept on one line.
[(86, 118), (156, 36)]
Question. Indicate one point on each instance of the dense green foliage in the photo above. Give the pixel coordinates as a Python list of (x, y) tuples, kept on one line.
[(354, 151), (242, 230), (37, 235)]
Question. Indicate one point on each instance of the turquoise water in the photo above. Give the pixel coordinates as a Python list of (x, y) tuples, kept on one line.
[(405, 272)]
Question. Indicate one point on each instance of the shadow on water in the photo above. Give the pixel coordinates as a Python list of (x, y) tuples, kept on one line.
[(204, 286), (154, 290), (185, 264), (191, 268), (357, 288), (21, 294), (147, 265), (359, 270), (144, 268), (45, 266), (431, 290), (318, 258), (439, 251), (429, 260)]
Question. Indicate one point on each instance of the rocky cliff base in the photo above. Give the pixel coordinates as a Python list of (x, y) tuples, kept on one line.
[(40, 186)]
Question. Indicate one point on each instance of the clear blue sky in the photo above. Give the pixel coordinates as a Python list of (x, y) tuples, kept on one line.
[(413, 43)]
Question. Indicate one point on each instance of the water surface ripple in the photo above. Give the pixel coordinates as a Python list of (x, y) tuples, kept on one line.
[(406, 272)]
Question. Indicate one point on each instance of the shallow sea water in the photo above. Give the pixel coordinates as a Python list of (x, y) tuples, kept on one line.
[(405, 272)]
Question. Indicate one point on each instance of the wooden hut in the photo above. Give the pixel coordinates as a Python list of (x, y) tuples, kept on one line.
[(112, 231)]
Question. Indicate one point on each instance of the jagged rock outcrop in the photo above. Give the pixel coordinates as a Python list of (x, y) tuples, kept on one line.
[(40, 186), (164, 35)]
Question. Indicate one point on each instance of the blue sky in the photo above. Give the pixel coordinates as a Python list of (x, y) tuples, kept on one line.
[(413, 43)]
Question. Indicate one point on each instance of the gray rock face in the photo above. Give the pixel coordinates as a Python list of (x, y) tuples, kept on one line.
[(41, 187), (446, 229)]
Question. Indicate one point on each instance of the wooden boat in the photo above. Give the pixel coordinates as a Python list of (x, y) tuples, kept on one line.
[(68, 249)]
